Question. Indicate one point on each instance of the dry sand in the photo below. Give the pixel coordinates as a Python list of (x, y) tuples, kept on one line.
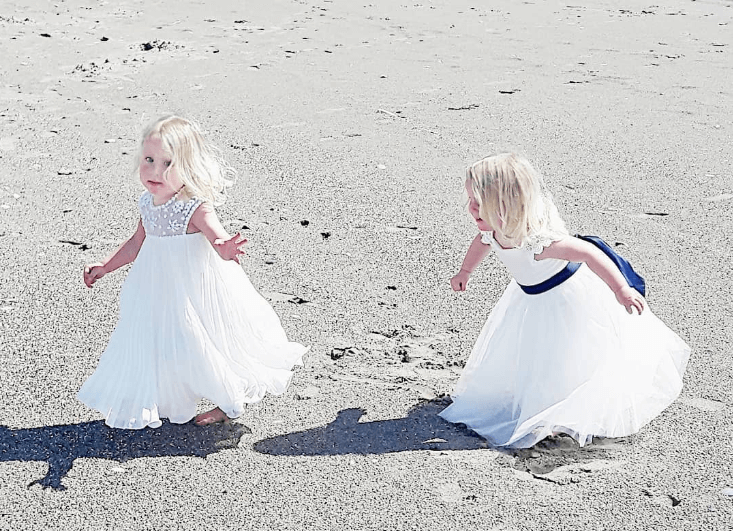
[(350, 123)]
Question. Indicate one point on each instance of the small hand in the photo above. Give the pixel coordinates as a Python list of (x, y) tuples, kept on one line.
[(232, 248), (92, 273), (629, 298), (459, 281)]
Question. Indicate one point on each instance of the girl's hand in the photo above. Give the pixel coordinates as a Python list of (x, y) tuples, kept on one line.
[(92, 273), (629, 298), (232, 248), (577, 250), (458, 282)]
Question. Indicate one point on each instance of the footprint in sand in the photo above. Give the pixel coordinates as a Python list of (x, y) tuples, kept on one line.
[(666, 500), (574, 473), (307, 393), (275, 296), (416, 362), (7, 144), (561, 461), (704, 404), (450, 492)]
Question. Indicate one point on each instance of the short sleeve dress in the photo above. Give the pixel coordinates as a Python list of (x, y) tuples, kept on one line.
[(568, 360), (191, 326)]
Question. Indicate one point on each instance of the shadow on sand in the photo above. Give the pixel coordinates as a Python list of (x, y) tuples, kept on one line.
[(60, 445), (421, 429), (557, 459)]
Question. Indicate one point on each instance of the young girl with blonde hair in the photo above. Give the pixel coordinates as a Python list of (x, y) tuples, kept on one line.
[(191, 324), (570, 347)]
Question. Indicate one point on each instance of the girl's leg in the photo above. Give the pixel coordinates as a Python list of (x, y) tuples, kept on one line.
[(214, 416)]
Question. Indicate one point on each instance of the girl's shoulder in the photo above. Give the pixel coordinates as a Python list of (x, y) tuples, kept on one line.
[(185, 196), (145, 200), (489, 238), (536, 243)]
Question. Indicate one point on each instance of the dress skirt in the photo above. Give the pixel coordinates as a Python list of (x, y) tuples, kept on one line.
[(191, 326), (569, 360)]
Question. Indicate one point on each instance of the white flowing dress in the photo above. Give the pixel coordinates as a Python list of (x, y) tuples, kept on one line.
[(191, 326), (568, 360)]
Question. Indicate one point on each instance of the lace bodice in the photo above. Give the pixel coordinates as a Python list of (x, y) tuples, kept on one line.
[(521, 263), (169, 219)]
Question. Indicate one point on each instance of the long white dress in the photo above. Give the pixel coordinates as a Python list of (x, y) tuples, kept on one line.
[(568, 360), (191, 326)]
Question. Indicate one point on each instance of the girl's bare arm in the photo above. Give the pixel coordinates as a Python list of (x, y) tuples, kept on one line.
[(125, 253), (476, 252), (576, 250), (205, 220)]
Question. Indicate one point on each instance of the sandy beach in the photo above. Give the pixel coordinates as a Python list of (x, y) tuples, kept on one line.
[(350, 124)]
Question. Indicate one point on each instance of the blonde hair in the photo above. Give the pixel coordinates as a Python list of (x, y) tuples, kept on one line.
[(514, 200), (200, 165)]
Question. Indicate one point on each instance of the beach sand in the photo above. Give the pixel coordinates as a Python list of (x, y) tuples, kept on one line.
[(350, 124)]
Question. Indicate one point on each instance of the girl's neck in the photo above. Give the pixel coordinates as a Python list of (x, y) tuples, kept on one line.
[(180, 193), (504, 244)]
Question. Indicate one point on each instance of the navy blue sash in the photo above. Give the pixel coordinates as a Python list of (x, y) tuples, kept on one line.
[(634, 279), (554, 280)]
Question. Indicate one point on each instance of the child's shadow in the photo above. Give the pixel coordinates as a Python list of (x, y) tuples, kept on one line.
[(421, 429), (59, 446), (554, 459)]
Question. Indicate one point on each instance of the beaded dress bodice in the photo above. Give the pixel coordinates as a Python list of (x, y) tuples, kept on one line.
[(169, 219)]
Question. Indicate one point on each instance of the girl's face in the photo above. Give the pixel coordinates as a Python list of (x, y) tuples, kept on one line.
[(154, 162), (473, 209)]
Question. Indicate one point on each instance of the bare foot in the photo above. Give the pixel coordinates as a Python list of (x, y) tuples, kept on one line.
[(214, 416)]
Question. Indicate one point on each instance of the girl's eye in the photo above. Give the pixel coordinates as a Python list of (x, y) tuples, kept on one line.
[(148, 159)]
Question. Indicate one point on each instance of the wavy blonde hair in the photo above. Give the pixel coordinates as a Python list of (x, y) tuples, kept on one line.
[(199, 164), (514, 200)]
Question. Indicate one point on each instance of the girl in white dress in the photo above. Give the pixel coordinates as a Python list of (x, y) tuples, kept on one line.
[(570, 347), (191, 324)]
